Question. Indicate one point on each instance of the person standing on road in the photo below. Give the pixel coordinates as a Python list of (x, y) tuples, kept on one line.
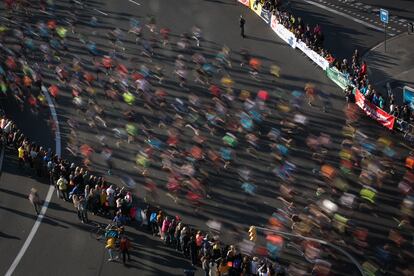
[(242, 21), (62, 185), (124, 246), (82, 210), (20, 152), (110, 245), (35, 200)]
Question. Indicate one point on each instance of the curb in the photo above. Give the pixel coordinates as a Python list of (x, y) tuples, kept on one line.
[(369, 51)]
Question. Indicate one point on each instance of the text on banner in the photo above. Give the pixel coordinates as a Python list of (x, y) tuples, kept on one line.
[(286, 35), (373, 111)]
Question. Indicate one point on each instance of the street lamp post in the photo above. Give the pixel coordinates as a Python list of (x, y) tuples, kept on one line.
[(349, 256)]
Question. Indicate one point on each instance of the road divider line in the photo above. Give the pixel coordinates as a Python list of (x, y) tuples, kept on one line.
[(344, 15), (136, 3), (101, 12), (40, 217)]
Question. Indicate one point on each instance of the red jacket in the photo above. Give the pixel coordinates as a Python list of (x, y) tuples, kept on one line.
[(124, 244)]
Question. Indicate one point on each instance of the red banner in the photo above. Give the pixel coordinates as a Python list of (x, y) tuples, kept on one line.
[(373, 111), (245, 2)]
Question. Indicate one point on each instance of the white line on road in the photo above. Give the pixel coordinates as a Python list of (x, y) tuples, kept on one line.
[(49, 192), (136, 3), (351, 17), (101, 12)]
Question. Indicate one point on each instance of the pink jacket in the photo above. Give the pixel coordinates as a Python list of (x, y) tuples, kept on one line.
[(165, 226)]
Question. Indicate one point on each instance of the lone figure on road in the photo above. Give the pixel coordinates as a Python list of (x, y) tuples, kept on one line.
[(35, 200), (242, 21)]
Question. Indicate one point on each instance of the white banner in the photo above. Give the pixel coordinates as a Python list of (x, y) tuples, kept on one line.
[(273, 22), (320, 61), (284, 34)]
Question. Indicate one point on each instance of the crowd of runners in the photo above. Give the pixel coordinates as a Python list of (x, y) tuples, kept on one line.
[(182, 141)]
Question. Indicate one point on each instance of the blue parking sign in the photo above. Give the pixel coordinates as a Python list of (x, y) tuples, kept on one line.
[(384, 16)]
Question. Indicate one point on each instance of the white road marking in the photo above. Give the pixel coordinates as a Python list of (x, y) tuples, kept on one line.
[(49, 192), (101, 12), (45, 12), (136, 3), (344, 15)]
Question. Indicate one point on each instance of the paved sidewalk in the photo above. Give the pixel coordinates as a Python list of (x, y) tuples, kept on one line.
[(395, 66)]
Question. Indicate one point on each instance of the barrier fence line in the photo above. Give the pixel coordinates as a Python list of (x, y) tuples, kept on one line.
[(340, 79)]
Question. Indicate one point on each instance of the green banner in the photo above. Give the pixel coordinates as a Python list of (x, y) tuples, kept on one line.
[(337, 77)]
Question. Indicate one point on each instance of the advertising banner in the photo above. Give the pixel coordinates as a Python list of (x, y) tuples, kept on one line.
[(408, 96), (245, 2), (373, 111), (337, 77), (320, 61), (265, 15), (286, 35), (273, 22), (256, 7)]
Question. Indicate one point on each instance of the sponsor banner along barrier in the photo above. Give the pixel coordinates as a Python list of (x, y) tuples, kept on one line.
[(338, 77), (320, 61), (256, 7), (266, 15), (245, 2), (286, 35), (273, 22), (373, 111)]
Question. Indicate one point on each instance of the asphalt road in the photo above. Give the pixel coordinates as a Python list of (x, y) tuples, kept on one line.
[(63, 246), (342, 33)]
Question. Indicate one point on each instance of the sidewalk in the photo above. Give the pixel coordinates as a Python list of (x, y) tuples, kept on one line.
[(395, 66)]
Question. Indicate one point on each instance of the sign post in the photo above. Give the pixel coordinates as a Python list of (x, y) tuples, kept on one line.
[(384, 16)]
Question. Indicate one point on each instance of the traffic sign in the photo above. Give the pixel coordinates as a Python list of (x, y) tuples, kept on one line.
[(384, 15)]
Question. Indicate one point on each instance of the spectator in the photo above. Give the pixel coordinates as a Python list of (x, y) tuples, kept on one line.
[(363, 70), (375, 98), (83, 209), (381, 102), (124, 246), (62, 185), (35, 200)]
